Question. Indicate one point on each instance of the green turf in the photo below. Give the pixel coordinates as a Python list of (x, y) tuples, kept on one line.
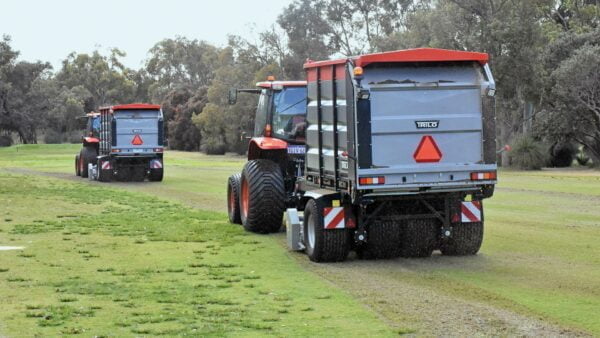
[(139, 265), (540, 254)]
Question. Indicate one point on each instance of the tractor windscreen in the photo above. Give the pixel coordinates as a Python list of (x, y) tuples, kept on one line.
[(289, 113)]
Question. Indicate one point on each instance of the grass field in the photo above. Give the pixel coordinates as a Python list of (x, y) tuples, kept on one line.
[(141, 264)]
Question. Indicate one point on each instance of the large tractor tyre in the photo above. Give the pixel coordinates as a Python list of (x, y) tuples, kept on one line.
[(383, 241), (466, 239), (262, 197), (88, 155), (419, 237), (323, 245), (77, 167), (233, 198), (156, 175)]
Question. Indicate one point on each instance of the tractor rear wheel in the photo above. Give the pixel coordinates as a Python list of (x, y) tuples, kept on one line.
[(262, 198), (383, 241), (233, 198), (419, 237), (466, 239), (88, 155), (77, 167), (323, 245)]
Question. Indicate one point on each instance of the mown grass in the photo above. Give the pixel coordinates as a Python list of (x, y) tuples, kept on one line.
[(540, 254), (100, 261)]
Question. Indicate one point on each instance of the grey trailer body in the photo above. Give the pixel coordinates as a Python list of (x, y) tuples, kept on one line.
[(452, 103), (130, 145), (401, 151)]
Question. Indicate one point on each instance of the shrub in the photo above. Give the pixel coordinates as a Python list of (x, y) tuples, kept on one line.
[(527, 154), (5, 141), (52, 137), (582, 158), (562, 154)]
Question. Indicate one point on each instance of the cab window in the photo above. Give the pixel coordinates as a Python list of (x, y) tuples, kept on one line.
[(289, 113)]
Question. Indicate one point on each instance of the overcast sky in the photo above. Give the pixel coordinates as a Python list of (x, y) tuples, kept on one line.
[(50, 30)]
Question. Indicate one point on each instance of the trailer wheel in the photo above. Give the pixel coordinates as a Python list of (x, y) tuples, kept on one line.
[(419, 237), (323, 245), (138, 174), (233, 198), (77, 168), (383, 241), (156, 175), (466, 240), (262, 198), (88, 155)]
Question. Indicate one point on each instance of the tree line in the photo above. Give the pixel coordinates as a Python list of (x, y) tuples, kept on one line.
[(545, 55)]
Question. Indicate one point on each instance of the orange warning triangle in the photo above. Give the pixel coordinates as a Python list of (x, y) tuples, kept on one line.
[(137, 140), (427, 151)]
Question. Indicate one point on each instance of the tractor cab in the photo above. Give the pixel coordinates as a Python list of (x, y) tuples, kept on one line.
[(281, 111), (93, 125)]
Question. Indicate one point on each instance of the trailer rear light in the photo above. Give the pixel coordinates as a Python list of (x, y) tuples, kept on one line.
[(371, 180), (483, 176), (116, 150), (158, 150)]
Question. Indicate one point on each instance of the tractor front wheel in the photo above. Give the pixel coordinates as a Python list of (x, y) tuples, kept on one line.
[(262, 198), (233, 198), (77, 167)]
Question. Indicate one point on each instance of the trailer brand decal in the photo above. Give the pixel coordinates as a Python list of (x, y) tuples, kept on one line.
[(427, 124), (296, 149), (155, 164), (470, 212), (137, 140), (106, 165), (334, 218), (427, 150)]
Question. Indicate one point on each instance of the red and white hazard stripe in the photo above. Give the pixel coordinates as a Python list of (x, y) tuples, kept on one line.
[(470, 211), (156, 164), (106, 165), (333, 218)]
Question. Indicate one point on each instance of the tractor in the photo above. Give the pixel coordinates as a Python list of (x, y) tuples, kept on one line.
[(258, 196), (123, 142)]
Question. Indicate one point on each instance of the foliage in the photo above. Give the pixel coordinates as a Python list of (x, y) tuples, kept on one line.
[(562, 154), (582, 158), (528, 154), (543, 53)]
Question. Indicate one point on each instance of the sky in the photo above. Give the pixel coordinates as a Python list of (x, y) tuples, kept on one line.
[(48, 30)]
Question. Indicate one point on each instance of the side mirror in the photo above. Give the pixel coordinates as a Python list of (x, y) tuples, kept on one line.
[(232, 96)]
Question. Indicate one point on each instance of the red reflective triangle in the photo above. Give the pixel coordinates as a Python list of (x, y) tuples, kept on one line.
[(137, 140), (427, 151)]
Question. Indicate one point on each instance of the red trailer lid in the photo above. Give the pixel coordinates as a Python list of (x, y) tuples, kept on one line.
[(408, 55), (136, 106)]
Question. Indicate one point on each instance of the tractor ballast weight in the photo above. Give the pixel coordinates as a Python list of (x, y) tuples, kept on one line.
[(123, 142), (400, 153)]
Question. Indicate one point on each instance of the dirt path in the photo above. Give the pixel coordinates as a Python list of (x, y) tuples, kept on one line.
[(383, 286), (391, 289)]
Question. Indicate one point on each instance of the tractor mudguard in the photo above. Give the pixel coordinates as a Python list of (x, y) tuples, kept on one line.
[(91, 140), (259, 145)]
